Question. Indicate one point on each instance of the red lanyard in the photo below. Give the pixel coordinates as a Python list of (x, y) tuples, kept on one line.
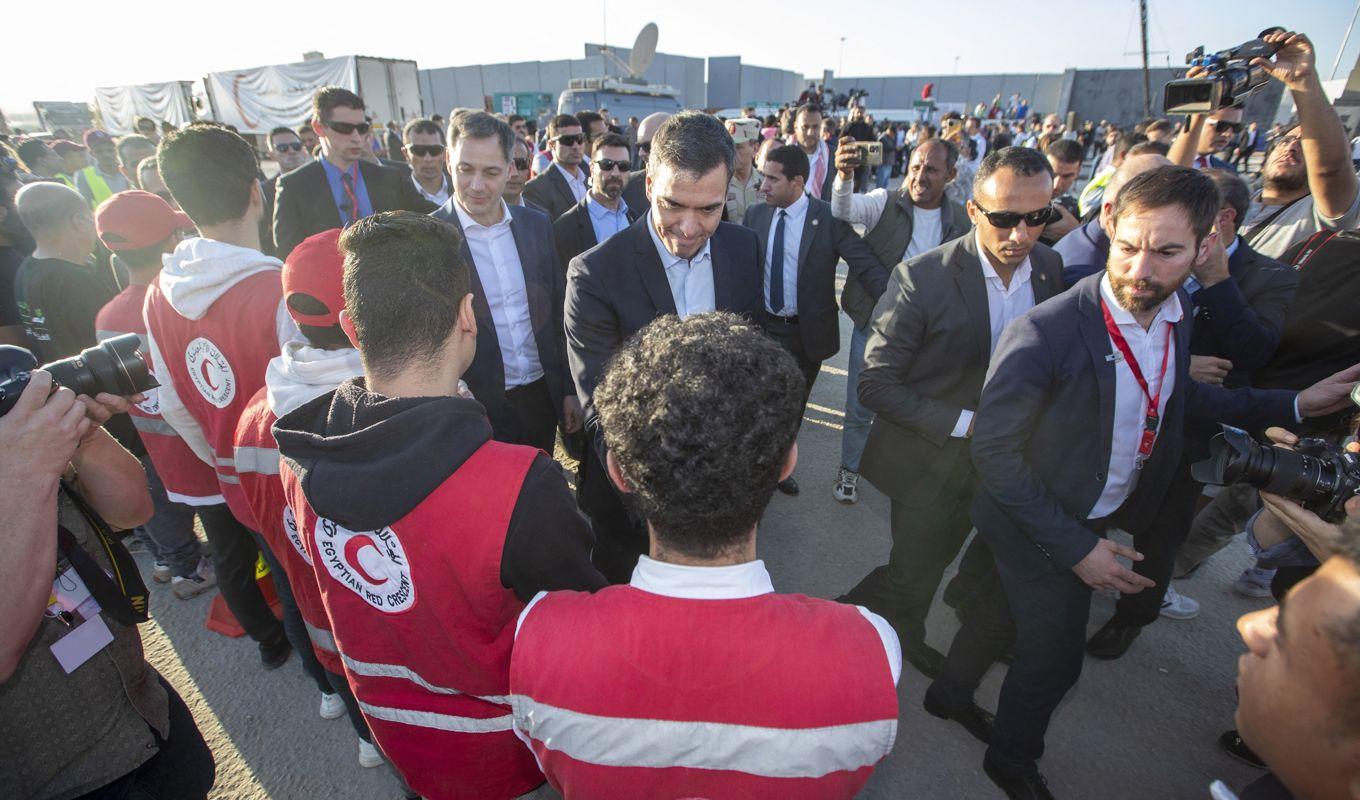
[(1150, 421)]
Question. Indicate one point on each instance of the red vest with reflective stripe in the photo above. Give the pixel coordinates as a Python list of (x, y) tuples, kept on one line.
[(425, 627), (186, 477), (257, 467), (217, 364), (628, 694)]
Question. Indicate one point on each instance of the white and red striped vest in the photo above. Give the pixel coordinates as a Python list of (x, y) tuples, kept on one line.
[(629, 694), (217, 364), (257, 467), (187, 479), (424, 626)]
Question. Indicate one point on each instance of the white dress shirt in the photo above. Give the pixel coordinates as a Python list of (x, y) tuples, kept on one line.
[(440, 197), (1130, 404), (577, 182), (795, 216), (1004, 305), (496, 260), (691, 279)]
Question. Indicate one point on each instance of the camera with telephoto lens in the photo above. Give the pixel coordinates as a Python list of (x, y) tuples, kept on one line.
[(114, 366), (1316, 474), (1231, 77)]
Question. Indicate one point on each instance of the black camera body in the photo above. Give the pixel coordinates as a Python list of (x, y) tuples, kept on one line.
[(1317, 474), (114, 366), (1231, 78)]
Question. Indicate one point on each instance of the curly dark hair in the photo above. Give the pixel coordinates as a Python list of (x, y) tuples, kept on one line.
[(700, 415)]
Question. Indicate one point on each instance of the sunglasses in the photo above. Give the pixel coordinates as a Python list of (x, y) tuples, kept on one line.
[(285, 147), (1225, 125), (570, 139), (1009, 219), (521, 164), (427, 150), (346, 128), (609, 164)]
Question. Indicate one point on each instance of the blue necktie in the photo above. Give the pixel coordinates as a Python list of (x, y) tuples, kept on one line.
[(777, 266)]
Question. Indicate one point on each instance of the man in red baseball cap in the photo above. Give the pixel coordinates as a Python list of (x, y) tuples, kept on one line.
[(310, 365), (139, 228), (103, 179)]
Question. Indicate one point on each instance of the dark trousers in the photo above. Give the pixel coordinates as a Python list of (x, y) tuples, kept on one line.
[(789, 334), (620, 533), (1158, 543), (234, 554), (536, 419), (925, 541), (293, 626), (182, 769)]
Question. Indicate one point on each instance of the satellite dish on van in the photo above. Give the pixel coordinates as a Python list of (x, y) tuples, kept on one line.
[(644, 50)]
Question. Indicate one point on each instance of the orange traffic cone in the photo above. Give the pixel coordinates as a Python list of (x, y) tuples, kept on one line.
[(221, 620)]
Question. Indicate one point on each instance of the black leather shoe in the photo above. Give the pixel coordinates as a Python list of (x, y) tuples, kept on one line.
[(789, 486), (1018, 787), (1112, 641), (926, 659), (275, 654), (974, 719), (1238, 749)]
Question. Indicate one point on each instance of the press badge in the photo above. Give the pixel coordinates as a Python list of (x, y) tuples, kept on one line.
[(72, 605)]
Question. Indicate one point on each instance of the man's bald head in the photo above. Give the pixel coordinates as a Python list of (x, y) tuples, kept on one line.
[(49, 208), (1133, 166)]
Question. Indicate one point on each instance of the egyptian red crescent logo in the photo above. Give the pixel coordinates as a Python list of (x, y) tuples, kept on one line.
[(236, 97), (352, 548), (206, 371)]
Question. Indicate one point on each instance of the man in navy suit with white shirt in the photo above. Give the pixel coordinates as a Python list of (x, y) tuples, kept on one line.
[(680, 258), (1079, 430)]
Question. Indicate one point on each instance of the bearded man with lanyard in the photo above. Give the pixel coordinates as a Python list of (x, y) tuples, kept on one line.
[(1105, 365)]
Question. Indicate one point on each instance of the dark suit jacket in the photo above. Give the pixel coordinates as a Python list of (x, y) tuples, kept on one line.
[(544, 285), (635, 193), (1240, 319), (825, 241), (575, 233), (616, 288), (1042, 439), (1084, 251), (305, 205), (268, 190), (929, 344), (551, 192)]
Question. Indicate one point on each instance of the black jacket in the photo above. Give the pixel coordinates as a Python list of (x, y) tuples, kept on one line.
[(930, 340), (366, 461), (574, 233), (544, 284), (551, 192), (825, 241), (305, 205), (1240, 319)]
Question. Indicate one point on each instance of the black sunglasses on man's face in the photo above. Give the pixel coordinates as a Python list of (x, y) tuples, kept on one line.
[(346, 128)]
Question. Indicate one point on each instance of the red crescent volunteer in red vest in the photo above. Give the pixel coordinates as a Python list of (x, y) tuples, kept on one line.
[(312, 364), (214, 318), (696, 679), (425, 536)]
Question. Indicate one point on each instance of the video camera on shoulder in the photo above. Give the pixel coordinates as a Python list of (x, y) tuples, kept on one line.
[(1316, 474), (114, 366), (1230, 80)]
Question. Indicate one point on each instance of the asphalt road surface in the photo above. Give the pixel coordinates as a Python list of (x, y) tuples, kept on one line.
[(1141, 727)]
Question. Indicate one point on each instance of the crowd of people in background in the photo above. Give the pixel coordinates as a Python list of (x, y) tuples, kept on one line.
[(500, 406)]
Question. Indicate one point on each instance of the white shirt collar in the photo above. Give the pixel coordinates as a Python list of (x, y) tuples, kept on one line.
[(1019, 276), (734, 582), (796, 209), (669, 259), (469, 223), (443, 190), (581, 178), (1232, 248), (1169, 312)]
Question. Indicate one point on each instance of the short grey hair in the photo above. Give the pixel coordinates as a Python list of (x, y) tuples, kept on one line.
[(480, 125), (693, 143), (44, 207)]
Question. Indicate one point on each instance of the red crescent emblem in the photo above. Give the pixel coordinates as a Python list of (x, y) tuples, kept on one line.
[(352, 548), (207, 375), (236, 98)]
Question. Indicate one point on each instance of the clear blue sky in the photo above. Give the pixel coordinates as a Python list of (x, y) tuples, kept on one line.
[(97, 44)]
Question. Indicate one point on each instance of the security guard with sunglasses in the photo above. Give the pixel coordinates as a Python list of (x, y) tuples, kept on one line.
[(930, 341)]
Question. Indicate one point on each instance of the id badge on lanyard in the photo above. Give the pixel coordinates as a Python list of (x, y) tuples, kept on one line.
[(1151, 418)]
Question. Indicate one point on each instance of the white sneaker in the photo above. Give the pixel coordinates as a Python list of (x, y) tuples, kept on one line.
[(846, 488), (369, 756), (332, 707), (189, 586), (1177, 606), (1254, 582), (160, 572)]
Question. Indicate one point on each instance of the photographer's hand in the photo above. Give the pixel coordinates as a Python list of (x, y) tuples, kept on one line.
[(1294, 61), (103, 406), (1063, 225), (1321, 537), (1330, 394), (40, 435), (1214, 269), (847, 157), (1101, 570)]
